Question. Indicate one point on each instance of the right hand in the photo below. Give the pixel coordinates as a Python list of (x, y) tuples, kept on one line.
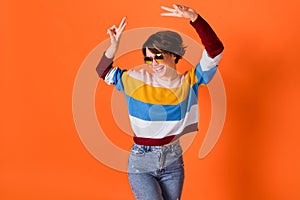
[(115, 35), (115, 32)]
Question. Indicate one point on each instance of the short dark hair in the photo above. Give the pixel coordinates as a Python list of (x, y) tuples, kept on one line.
[(165, 42)]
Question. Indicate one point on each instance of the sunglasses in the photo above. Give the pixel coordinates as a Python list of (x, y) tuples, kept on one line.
[(158, 58)]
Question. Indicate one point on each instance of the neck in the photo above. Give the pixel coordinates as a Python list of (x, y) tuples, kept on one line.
[(170, 74)]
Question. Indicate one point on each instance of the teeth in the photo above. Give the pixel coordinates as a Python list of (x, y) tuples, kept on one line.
[(158, 68)]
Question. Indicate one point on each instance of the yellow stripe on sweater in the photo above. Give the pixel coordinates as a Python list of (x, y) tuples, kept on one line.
[(158, 95)]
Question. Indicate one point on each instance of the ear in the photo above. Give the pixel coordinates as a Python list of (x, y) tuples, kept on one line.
[(173, 56)]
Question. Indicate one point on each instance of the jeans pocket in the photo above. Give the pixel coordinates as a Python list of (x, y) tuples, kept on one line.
[(176, 165), (178, 151), (137, 151)]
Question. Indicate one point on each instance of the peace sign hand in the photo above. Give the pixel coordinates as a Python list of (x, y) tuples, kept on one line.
[(115, 35), (180, 11), (115, 32)]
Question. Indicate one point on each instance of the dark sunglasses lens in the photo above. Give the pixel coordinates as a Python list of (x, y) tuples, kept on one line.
[(148, 60), (159, 58)]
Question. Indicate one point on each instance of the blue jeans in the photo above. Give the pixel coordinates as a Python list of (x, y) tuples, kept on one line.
[(156, 172)]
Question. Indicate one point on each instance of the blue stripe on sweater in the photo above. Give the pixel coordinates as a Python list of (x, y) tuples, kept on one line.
[(155, 112)]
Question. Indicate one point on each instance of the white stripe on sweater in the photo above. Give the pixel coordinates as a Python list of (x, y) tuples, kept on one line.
[(161, 129)]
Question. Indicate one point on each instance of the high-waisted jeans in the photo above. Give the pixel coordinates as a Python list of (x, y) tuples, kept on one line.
[(156, 172)]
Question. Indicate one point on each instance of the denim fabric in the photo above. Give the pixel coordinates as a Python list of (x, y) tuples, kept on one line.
[(156, 172)]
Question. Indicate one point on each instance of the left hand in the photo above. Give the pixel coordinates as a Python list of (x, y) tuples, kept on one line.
[(180, 11)]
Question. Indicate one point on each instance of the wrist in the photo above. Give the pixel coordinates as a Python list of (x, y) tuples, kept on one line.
[(109, 55), (111, 51), (114, 46), (194, 17)]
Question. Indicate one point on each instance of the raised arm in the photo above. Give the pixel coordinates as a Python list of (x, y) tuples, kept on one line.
[(106, 61), (211, 55), (209, 39)]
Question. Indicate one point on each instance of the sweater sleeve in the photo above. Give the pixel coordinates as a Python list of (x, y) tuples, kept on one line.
[(104, 66), (209, 39)]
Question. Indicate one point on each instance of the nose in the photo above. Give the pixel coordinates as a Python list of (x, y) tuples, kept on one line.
[(154, 62)]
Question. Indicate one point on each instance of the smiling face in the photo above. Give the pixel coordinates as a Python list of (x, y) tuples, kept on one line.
[(165, 68), (170, 45)]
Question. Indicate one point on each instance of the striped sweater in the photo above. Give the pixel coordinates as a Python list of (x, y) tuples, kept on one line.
[(162, 111)]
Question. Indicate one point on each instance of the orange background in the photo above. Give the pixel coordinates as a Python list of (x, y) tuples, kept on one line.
[(43, 44)]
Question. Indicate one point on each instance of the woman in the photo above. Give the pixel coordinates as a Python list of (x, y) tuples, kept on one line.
[(162, 104)]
